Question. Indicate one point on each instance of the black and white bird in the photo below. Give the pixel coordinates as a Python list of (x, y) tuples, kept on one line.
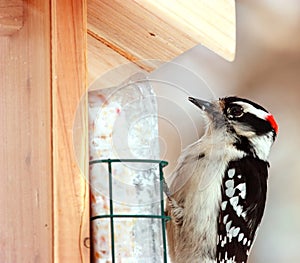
[(217, 193)]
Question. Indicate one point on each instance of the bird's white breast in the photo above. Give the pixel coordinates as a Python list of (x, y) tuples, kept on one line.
[(198, 181)]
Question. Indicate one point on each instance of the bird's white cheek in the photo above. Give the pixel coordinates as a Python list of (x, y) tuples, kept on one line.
[(262, 145), (243, 130)]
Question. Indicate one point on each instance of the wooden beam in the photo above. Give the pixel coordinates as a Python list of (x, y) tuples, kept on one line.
[(210, 23), (25, 139), (107, 67), (11, 16), (141, 30), (70, 168)]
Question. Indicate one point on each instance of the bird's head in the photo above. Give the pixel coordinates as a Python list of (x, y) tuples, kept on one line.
[(253, 126)]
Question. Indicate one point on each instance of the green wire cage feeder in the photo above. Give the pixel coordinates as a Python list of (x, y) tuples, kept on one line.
[(128, 224), (145, 233)]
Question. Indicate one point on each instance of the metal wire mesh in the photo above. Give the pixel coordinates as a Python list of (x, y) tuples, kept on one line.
[(112, 214)]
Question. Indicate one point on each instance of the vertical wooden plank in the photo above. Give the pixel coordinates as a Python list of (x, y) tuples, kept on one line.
[(70, 198), (11, 16), (25, 139)]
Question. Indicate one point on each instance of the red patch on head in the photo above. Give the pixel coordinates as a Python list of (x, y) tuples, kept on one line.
[(273, 123)]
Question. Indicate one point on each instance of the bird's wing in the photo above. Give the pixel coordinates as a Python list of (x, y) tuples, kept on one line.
[(241, 210)]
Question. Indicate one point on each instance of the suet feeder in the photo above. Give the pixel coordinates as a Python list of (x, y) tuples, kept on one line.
[(145, 230), (126, 175)]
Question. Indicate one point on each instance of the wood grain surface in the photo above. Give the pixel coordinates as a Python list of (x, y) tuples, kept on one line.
[(25, 139), (70, 167), (11, 16), (142, 30)]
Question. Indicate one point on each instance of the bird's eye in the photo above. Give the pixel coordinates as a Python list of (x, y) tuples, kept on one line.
[(235, 111)]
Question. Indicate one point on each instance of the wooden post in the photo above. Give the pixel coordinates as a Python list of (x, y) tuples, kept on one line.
[(70, 187), (25, 139)]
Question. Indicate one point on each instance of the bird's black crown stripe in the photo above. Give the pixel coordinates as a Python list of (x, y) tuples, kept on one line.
[(229, 100)]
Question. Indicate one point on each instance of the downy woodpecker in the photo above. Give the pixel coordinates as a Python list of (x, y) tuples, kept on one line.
[(217, 193)]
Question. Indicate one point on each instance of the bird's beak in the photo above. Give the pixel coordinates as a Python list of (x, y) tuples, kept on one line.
[(203, 104)]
